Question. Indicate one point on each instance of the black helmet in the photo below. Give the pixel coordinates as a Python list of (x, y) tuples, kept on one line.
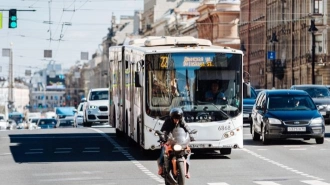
[(176, 113)]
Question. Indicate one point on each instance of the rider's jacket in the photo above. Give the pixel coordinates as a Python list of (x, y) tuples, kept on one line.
[(169, 125)]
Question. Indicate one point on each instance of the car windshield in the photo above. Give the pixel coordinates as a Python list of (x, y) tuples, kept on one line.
[(34, 120), (99, 95), (66, 122), (316, 92), (290, 102)]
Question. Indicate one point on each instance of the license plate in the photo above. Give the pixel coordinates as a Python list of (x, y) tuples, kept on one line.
[(296, 129), (323, 113), (246, 115), (196, 146)]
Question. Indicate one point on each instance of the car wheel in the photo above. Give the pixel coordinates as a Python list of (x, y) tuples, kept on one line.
[(319, 140), (255, 135), (265, 141)]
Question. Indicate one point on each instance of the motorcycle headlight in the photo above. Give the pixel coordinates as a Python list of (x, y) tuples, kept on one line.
[(317, 121), (92, 107), (274, 121), (177, 147)]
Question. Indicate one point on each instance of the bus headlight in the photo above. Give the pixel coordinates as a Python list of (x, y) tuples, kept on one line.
[(177, 147), (92, 107)]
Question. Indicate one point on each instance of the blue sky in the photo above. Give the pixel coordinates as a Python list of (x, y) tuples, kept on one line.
[(90, 21)]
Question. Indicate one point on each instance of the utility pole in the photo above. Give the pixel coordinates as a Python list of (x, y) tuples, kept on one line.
[(312, 29), (273, 41), (11, 81)]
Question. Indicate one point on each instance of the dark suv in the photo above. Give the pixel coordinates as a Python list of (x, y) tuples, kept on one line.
[(320, 95), (281, 114), (248, 102)]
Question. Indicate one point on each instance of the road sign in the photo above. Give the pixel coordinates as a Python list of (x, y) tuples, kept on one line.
[(271, 55), (47, 53)]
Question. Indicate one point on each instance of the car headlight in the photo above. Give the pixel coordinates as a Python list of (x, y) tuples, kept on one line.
[(327, 107), (317, 121), (177, 147), (274, 121), (92, 107)]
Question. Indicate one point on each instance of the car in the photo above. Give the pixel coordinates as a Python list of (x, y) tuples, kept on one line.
[(248, 102), (282, 114), (32, 122), (96, 107), (79, 115), (46, 123), (3, 124), (65, 122), (320, 95), (258, 91)]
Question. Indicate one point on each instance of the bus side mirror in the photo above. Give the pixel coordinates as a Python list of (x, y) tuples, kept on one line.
[(138, 80), (246, 90), (83, 100)]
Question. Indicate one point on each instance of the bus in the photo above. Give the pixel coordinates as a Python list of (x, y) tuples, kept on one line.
[(152, 75)]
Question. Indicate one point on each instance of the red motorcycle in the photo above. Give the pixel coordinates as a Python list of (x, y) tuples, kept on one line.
[(177, 151)]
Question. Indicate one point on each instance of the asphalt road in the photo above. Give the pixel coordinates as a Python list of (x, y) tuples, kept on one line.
[(94, 156)]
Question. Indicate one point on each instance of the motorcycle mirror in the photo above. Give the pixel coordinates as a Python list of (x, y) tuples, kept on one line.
[(193, 132)]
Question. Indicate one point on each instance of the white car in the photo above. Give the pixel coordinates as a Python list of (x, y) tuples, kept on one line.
[(79, 115), (3, 124), (96, 107), (32, 123)]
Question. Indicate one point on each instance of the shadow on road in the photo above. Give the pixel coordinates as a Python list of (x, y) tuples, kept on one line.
[(26, 148)]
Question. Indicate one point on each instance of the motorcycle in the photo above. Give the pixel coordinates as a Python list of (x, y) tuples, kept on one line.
[(176, 153)]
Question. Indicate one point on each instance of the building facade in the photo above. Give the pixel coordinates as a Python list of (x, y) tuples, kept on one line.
[(285, 42)]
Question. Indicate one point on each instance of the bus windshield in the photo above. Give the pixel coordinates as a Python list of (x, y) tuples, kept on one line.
[(207, 86)]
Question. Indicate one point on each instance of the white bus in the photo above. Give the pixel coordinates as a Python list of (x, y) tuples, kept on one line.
[(152, 75)]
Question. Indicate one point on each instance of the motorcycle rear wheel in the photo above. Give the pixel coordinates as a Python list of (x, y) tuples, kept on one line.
[(182, 173)]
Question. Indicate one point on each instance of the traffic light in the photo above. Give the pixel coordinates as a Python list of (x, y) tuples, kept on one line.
[(12, 22)]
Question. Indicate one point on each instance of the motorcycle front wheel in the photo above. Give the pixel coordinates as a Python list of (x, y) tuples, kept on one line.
[(181, 176)]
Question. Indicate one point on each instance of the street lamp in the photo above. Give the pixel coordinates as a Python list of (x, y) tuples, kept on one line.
[(273, 41), (313, 29)]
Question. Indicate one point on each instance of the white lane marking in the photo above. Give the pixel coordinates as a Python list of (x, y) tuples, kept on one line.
[(262, 149), (33, 153), (63, 148), (315, 182), (62, 152), (218, 183), (280, 165), (91, 151), (129, 156), (67, 173), (92, 148), (6, 154), (49, 137), (291, 146), (71, 179), (297, 149), (265, 183)]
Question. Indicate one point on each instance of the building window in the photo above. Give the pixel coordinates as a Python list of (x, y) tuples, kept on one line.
[(317, 6), (318, 43), (51, 97), (46, 97)]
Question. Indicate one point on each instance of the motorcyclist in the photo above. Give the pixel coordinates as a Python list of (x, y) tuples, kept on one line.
[(175, 120)]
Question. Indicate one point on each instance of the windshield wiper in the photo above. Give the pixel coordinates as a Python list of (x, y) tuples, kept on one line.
[(209, 103)]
